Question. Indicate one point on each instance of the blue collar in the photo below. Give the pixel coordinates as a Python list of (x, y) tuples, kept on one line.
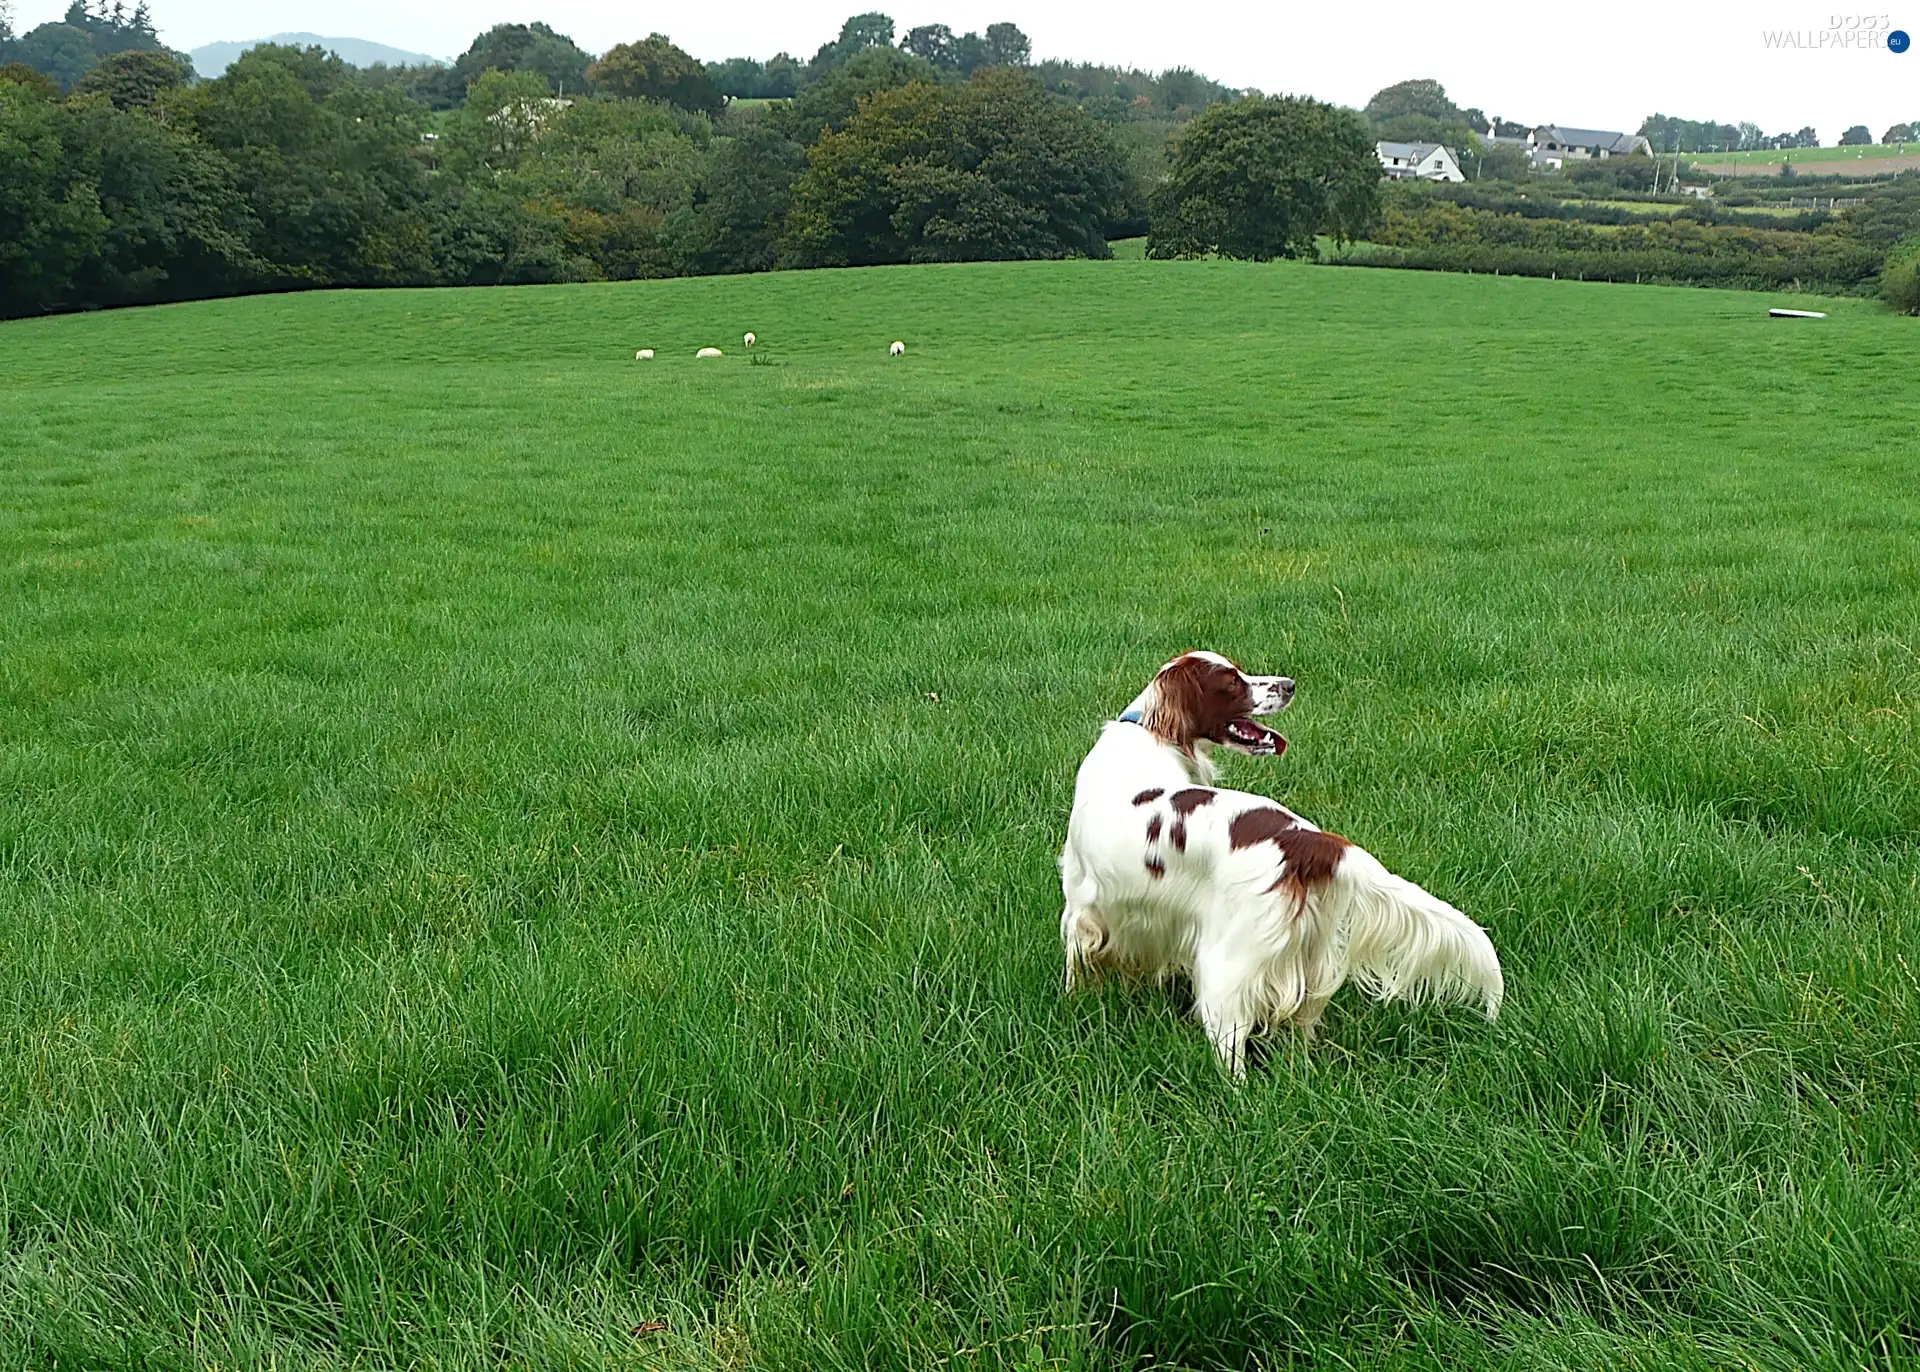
[(1130, 717)]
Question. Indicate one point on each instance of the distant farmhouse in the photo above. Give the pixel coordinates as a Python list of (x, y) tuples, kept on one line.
[(1417, 162), (1553, 146)]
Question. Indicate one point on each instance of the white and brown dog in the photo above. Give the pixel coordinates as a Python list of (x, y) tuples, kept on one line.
[(1165, 875)]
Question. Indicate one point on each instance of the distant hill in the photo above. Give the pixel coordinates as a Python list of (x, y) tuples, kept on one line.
[(215, 58)]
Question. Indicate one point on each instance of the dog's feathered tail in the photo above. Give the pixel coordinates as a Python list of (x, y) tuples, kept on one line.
[(1403, 943)]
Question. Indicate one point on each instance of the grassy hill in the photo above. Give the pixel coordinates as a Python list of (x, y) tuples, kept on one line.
[(518, 857)]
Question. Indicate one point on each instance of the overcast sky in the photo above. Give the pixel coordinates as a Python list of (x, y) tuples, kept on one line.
[(1588, 66)]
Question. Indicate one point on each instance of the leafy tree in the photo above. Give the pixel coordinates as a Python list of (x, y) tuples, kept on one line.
[(1420, 112), (739, 205), (102, 206), (134, 79), (505, 113), (36, 82), (783, 76), (994, 169), (1899, 133), (1424, 97), (535, 48), (859, 33), (657, 70), (111, 28), (932, 44), (606, 174), (60, 51), (325, 166), (1689, 135), (1007, 46), (175, 226), (738, 78), (1857, 136), (829, 104), (6, 24), (48, 225), (1261, 178), (970, 53)]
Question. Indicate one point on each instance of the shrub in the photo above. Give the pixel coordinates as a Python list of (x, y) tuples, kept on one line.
[(1900, 278)]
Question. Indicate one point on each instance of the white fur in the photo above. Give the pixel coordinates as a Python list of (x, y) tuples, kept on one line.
[(896, 348), (748, 340), (1261, 950), (708, 352), (644, 355)]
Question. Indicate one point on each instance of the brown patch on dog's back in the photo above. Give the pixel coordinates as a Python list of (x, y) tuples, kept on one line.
[(1156, 868), (1153, 829), (1310, 856), (1191, 799), (1149, 796), (1261, 824)]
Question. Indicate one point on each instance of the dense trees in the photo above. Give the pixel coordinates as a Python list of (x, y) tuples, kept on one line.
[(1857, 136), (657, 70), (131, 182), (1704, 135), (1261, 178), (1419, 111), (89, 31), (135, 79), (927, 173)]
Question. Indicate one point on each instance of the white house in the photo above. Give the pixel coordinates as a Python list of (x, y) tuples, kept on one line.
[(1417, 162)]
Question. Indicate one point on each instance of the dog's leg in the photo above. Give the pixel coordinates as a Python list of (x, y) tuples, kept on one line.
[(1320, 970), (1222, 999), (1083, 936)]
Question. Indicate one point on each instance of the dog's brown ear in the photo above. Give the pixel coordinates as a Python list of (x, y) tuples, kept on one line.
[(1193, 698)]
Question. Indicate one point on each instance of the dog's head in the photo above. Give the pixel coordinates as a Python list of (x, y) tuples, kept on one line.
[(1201, 699)]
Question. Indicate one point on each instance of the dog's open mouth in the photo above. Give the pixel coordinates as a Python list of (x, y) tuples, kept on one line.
[(1250, 736)]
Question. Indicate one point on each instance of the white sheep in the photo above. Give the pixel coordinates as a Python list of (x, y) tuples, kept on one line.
[(708, 352), (644, 355), (897, 349), (748, 340)]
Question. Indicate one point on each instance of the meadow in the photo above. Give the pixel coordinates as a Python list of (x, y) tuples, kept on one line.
[(516, 858)]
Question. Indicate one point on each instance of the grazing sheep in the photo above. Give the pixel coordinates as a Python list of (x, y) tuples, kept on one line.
[(708, 352), (897, 349), (644, 355), (748, 340)]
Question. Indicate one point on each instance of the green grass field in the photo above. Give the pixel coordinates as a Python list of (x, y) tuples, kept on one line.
[(505, 846), (1769, 157)]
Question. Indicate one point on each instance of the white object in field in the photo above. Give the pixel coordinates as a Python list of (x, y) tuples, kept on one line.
[(748, 340), (1795, 314), (644, 355), (896, 349), (708, 352)]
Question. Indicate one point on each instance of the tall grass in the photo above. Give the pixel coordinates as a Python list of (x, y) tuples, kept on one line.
[(506, 847)]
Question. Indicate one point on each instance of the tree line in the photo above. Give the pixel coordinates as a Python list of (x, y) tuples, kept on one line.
[(530, 160)]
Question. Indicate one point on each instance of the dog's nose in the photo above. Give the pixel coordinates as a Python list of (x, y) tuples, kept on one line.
[(1286, 685)]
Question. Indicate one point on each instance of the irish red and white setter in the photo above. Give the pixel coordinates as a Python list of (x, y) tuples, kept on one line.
[(1166, 875)]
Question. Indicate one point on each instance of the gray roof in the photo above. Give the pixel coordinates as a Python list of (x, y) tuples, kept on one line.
[(1589, 138), (1419, 152)]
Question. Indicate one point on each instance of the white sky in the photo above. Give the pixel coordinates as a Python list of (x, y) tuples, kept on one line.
[(1598, 66)]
